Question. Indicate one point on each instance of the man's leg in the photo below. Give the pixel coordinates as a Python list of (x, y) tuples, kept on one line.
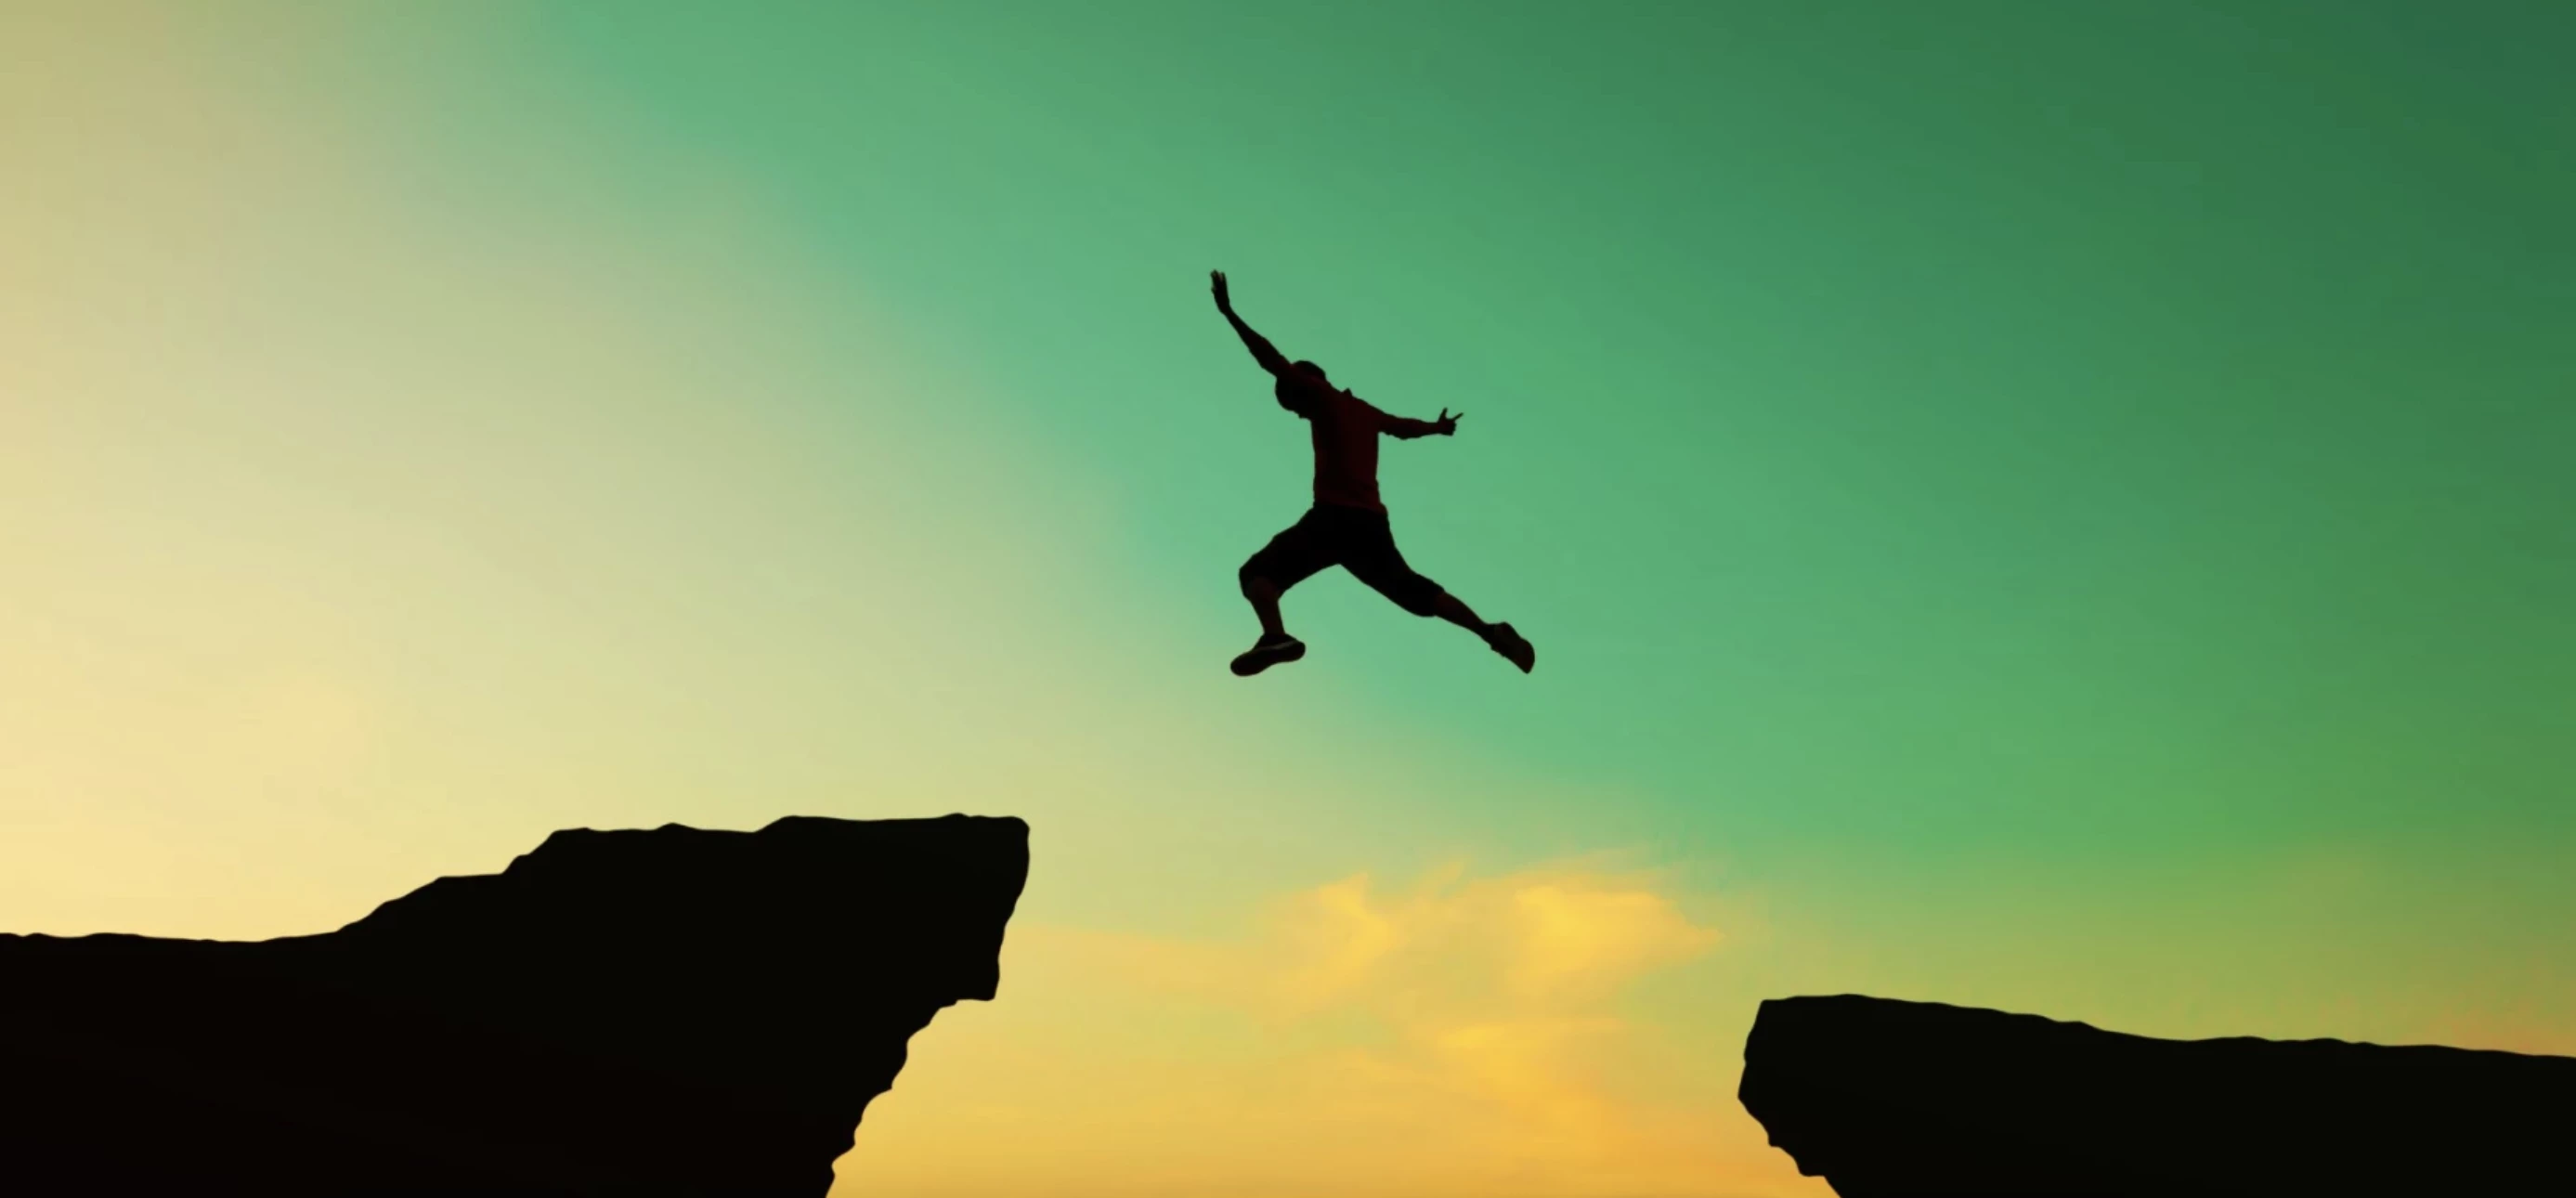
[(1501, 638), (1449, 607), (1290, 558), (1382, 566), (1264, 596)]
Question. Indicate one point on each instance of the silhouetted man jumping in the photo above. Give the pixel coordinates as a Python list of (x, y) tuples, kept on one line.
[(1347, 527)]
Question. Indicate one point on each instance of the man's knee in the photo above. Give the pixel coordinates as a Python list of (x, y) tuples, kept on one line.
[(1254, 577)]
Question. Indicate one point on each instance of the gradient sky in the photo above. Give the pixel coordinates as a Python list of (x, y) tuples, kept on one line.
[(2056, 507)]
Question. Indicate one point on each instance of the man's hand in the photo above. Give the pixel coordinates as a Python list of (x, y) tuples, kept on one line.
[(1447, 425), (1262, 351)]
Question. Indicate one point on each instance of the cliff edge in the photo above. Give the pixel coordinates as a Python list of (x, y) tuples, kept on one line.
[(1887, 1099), (672, 1011)]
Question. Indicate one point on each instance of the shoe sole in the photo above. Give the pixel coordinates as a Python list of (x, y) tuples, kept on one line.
[(1255, 661)]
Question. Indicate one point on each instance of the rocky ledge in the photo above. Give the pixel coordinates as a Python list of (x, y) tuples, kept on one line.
[(672, 1011), (1886, 1099)]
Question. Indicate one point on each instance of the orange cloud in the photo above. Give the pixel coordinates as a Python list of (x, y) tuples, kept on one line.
[(1458, 1036)]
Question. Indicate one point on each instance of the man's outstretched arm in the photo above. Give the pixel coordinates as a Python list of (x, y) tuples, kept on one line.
[(1406, 428), (1262, 351)]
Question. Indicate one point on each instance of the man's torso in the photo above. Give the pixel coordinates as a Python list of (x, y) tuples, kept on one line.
[(1344, 429)]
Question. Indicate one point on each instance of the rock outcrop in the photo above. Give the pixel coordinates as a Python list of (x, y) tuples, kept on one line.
[(672, 1011), (1886, 1099)]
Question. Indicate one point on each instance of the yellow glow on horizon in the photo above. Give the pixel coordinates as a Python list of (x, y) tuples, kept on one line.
[(1463, 1035), (367, 519)]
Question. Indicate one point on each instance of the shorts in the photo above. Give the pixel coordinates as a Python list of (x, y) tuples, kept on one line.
[(1356, 539)]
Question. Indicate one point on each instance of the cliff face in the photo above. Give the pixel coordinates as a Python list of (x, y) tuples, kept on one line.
[(671, 1011), (1887, 1098)]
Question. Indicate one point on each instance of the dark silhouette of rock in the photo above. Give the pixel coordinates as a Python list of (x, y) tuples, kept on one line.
[(1886, 1099), (671, 1011)]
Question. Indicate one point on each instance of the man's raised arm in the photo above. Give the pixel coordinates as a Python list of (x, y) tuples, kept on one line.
[(1262, 351)]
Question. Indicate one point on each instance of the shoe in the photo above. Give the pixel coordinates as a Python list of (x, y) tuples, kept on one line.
[(1267, 652), (1513, 648)]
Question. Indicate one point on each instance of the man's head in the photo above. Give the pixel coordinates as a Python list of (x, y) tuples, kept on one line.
[(1302, 380)]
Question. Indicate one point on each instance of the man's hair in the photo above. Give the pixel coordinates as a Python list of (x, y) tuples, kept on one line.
[(1303, 364)]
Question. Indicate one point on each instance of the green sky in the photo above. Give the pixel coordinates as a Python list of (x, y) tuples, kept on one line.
[(2063, 507)]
